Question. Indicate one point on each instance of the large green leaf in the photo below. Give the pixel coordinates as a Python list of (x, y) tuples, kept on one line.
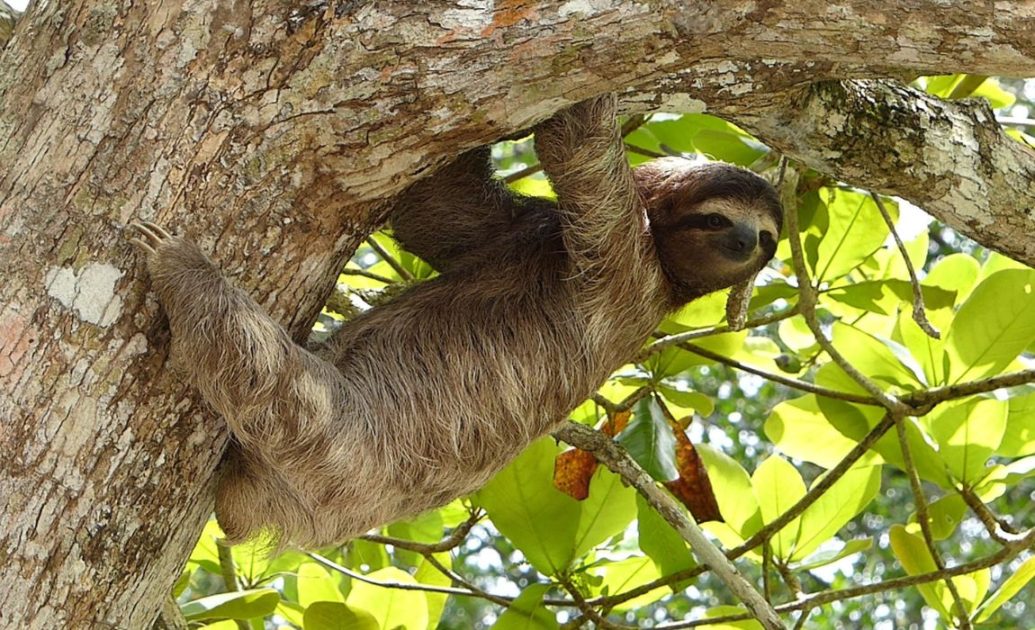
[(1012, 585), (247, 604), (337, 616), (778, 486), (968, 432), (823, 558), (912, 552), (650, 441), (427, 573), (316, 585), (659, 541), (856, 230), (732, 488), (879, 359), (527, 611), (1019, 437), (608, 510), (391, 607), (993, 326), (835, 507), (526, 508), (801, 430), (623, 575)]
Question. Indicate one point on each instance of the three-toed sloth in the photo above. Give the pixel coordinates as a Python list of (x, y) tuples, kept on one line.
[(422, 399)]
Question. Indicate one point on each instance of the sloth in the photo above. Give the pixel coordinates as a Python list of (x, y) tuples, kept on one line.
[(422, 399)]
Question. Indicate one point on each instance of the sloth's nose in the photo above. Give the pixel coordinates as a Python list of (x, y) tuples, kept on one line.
[(741, 241)]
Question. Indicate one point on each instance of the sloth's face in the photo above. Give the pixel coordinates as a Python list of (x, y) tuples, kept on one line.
[(715, 244), (714, 225)]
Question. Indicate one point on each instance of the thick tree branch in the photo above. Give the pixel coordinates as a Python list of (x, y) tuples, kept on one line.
[(950, 158)]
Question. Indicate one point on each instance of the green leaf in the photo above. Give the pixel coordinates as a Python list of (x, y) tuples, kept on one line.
[(236, 605), (526, 508), (915, 558), (968, 433), (993, 326), (650, 441), (337, 616), (732, 488), (315, 584), (835, 507), (945, 514), (427, 573), (659, 541), (778, 486), (880, 359), (527, 611), (1012, 585), (627, 574), (391, 607), (823, 558), (687, 402), (801, 430), (1019, 437), (608, 510), (856, 230)]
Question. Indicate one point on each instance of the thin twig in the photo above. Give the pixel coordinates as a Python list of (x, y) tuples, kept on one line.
[(998, 530), (459, 579), (666, 341), (367, 274), (392, 262), (453, 540), (794, 383), (402, 586), (919, 314)]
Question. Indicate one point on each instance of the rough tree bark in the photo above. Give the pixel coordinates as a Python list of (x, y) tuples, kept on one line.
[(272, 134)]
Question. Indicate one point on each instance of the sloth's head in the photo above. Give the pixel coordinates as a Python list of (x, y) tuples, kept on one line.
[(714, 225)]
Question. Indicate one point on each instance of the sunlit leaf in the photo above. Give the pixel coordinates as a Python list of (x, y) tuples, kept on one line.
[(630, 573), (525, 507), (316, 585), (246, 604), (733, 490), (967, 433), (823, 558), (337, 616), (912, 552), (835, 507), (993, 326), (1012, 585), (608, 510), (427, 573), (1019, 437), (391, 607), (778, 486)]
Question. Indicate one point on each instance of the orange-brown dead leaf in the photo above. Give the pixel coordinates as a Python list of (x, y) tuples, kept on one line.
[(573, 469), (693, 488)]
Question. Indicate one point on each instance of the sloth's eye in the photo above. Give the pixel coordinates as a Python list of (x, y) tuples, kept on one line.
[(715, 221)]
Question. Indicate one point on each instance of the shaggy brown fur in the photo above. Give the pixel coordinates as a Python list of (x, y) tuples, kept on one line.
[(423, 399)]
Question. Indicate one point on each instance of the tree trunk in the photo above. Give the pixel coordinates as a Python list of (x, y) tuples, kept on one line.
[(272, 134)]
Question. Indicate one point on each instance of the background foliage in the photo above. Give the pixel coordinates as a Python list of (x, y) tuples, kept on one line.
[(769, 414)]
